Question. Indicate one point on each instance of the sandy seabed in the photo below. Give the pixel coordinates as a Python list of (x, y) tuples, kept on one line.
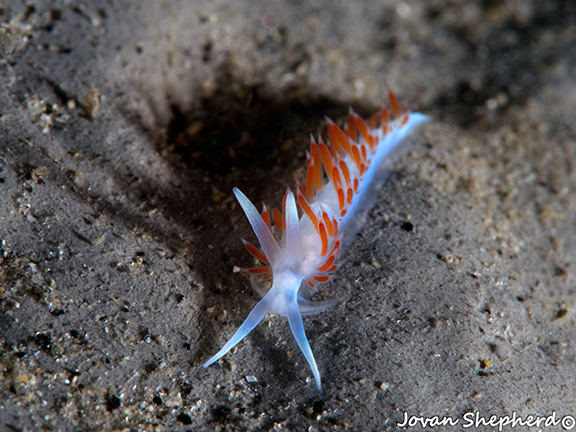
[(123, 128)]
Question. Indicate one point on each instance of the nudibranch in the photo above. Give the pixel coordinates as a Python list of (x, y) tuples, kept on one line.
[(300, 244)]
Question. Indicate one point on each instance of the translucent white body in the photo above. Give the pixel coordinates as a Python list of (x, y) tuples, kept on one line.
[(297, 257)]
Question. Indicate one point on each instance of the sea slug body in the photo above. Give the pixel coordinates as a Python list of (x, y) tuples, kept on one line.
[(317, 221)]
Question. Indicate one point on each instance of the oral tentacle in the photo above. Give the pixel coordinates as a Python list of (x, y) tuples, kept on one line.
[(257, 314), (295, 321)]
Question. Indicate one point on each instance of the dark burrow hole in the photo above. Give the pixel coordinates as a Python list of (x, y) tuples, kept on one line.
[(242, 134), (246, 126)]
